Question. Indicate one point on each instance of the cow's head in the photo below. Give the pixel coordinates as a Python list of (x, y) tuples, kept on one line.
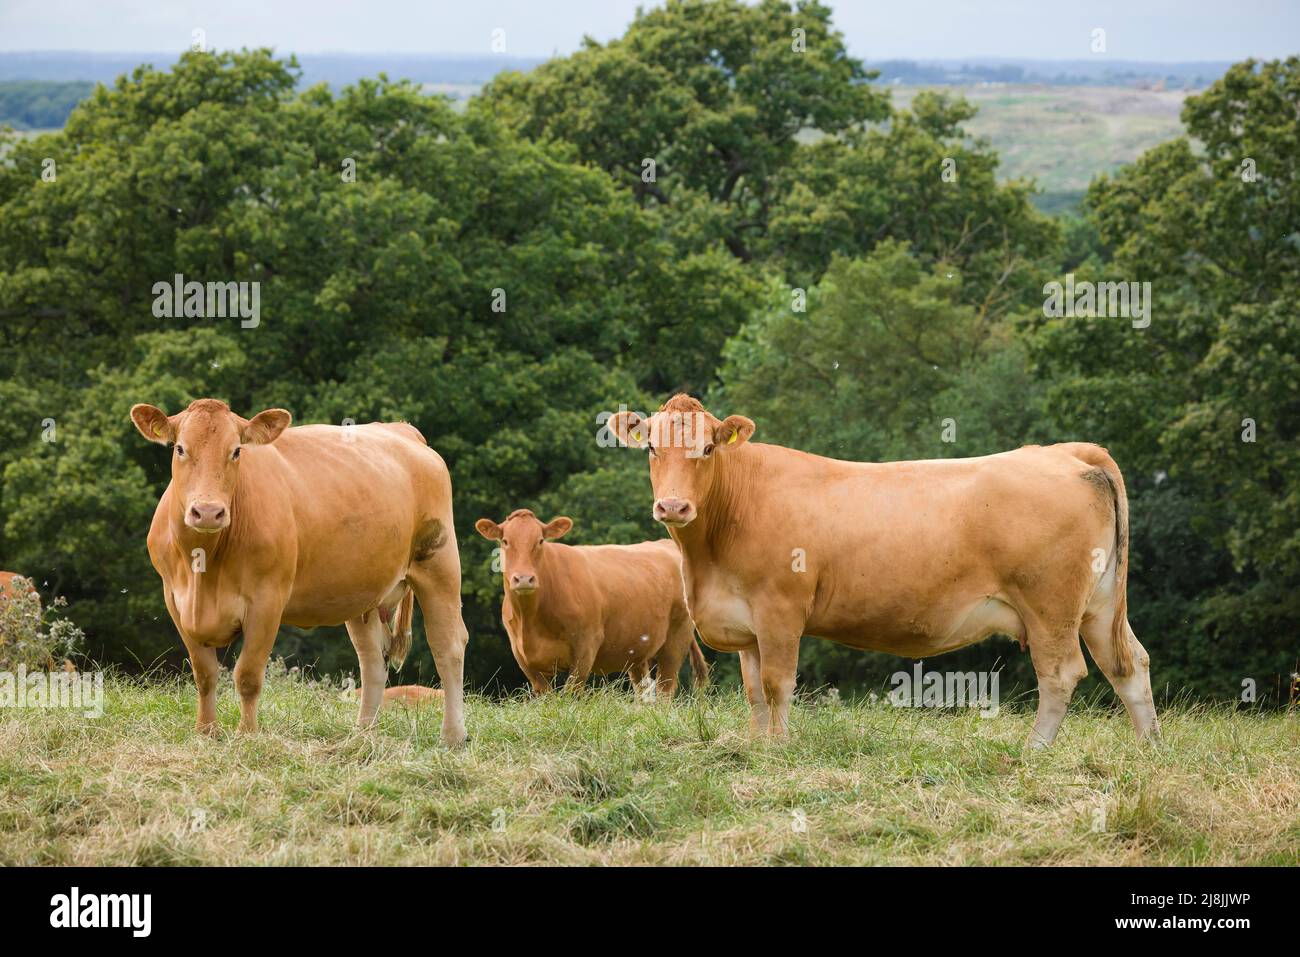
[(522, 535), (685, 444), (207, 438)]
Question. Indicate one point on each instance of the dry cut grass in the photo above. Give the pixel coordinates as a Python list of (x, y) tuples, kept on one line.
[(602, 779)]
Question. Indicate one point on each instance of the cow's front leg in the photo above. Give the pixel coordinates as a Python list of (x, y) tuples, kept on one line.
[(541, 683), (584, 656), (250, 669), (751, 674), (778, 649), (203, 662)]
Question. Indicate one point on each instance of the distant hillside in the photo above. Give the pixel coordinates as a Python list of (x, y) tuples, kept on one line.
[(1064, 136), (1097, 71), (34, 105)]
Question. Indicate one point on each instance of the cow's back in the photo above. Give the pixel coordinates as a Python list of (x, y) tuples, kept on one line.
[(357, 470), (365, 501), (636, 587)]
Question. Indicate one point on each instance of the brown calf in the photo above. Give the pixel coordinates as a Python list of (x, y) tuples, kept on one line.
[(592, 608)]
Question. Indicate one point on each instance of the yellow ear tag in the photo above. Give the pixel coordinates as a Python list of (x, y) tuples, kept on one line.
[(732, 440), (157, 430), (636, 436)]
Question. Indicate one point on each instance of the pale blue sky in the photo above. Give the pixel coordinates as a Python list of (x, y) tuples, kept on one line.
[(876, 29)]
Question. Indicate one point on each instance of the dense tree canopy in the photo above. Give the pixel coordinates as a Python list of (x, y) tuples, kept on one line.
[(715, 94), (852, 277)]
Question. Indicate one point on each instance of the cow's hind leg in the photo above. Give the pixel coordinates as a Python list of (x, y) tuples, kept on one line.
[(1134, 688), (668, 665), (436, 580), (368, 634), (1058, 662), (639, 674)]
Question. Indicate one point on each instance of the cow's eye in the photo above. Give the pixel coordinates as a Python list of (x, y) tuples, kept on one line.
[(234, 456), (180, 450), (708, 449), (653, 453)]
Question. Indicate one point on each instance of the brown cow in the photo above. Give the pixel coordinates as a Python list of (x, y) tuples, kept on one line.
[(315, 525), (912, 558), (10, 588), (592, 608), (407, 696)]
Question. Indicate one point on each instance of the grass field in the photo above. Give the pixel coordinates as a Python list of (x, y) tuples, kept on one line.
[(603, 779), (1063, 136)]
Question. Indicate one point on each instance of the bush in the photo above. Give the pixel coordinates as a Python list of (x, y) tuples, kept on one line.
[(29, 637)]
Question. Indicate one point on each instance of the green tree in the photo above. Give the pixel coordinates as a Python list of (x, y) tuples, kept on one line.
[(714, 93)]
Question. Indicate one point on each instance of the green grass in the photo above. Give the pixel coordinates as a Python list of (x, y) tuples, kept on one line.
[(601, 779)]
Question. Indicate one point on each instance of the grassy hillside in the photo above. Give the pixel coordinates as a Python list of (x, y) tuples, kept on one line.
[(603, 779), (1064, 136)]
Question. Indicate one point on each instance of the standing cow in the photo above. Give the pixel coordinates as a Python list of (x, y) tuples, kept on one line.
[(592, 608), (912, 558), (315, 525)]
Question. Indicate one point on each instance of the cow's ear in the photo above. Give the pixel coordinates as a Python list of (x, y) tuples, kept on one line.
[(265, 427), (488, 529), (733, 432), (557, 527), (153, 424), (630, 429)]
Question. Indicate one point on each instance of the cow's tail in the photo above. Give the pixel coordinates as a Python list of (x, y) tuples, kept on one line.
[(1123, 654), (699, 667), (399, 630)]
